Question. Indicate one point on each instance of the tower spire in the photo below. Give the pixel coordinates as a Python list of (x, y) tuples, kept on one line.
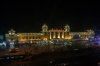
[(67, 28), (44, 28)]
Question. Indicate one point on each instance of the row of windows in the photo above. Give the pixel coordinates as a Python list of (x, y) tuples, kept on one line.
[(30, 34), (84, 36), (30, 37)]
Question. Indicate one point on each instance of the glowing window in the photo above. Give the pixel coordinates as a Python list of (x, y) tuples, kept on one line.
[(13, 33), (9, 33)]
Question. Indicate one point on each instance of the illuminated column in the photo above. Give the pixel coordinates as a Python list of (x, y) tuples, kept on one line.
[(50, 35), (59, 34), (54, 35), (81, 36), (63, 34), (70, 36)]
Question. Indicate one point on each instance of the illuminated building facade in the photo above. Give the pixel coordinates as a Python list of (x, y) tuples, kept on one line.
[(46, 34), (65, 33)]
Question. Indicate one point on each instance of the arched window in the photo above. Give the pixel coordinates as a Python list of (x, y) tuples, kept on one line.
[(29, 37), (23, 37), (33, 37), (39, 37), (26, 37)]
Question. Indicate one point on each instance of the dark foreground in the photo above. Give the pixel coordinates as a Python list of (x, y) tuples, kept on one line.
[(85, 57)]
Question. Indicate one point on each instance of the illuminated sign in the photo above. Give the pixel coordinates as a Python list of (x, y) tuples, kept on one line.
[(61, 29), (52, 29)]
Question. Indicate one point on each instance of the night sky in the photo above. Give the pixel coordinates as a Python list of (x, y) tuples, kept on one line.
[(29, 16)]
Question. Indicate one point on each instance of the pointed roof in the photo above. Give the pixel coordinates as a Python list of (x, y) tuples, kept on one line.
[(67, 25), (11, 30), (44, 25), (89, 30)]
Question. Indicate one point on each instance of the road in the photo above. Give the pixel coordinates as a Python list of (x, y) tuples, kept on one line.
[(79, 58)]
